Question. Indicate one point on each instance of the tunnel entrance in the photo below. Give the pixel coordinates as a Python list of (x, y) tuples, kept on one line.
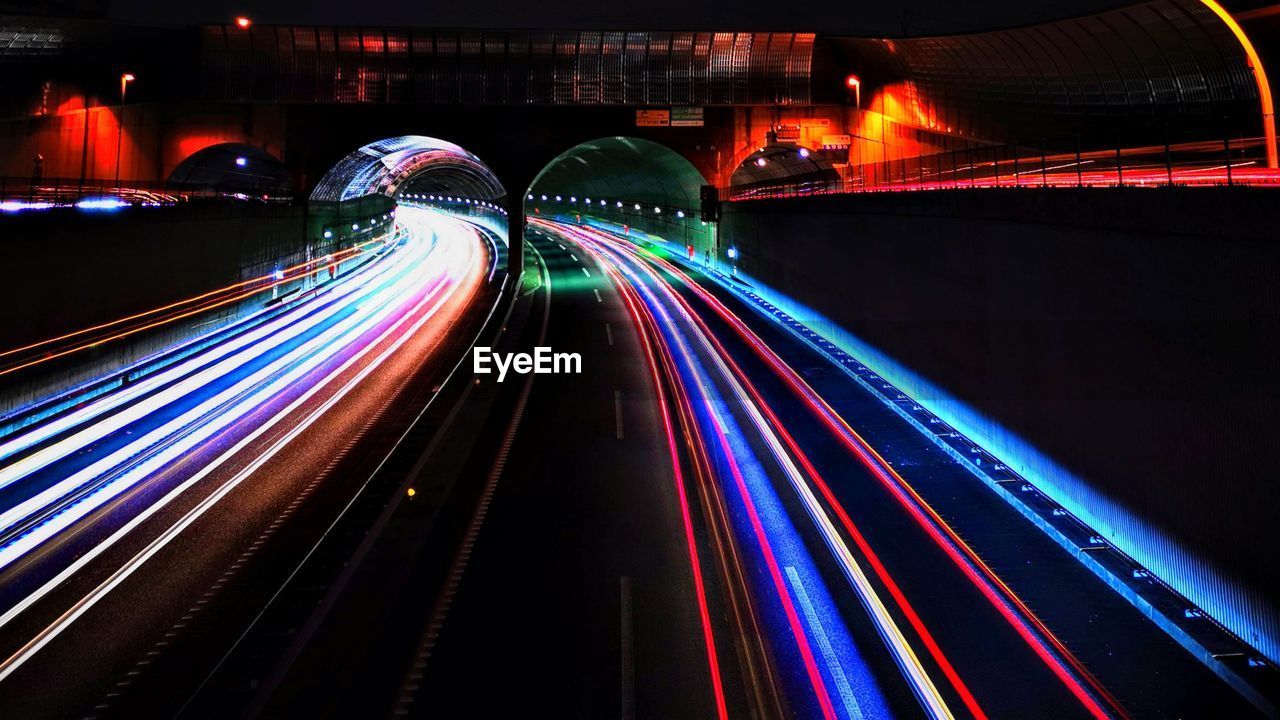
[(233, 167), (782, 169), (407, 169), (639, 187)]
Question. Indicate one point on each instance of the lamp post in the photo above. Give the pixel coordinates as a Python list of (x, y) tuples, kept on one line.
[(125, 79), (854, 83)]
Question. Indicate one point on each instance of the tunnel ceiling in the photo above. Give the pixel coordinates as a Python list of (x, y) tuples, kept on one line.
[(622, 168), (409, 163)]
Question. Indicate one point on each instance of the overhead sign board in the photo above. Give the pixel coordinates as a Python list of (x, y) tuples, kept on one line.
[(653, 118), (837, 141), (787, 133), (686, 117)]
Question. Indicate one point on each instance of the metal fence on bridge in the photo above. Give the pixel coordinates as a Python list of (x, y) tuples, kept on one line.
[(1228, 162)]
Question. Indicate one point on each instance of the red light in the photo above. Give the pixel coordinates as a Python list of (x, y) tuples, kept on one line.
[(853, 81), (243, 22), (127, 77)]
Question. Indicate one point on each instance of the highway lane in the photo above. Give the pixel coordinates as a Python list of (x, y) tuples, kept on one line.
[(578, 598), (1005, 673), (824, 670), (225, 495), (544, 550)]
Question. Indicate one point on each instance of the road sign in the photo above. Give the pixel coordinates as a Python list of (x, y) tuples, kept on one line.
[(686, 117), (653, 118)]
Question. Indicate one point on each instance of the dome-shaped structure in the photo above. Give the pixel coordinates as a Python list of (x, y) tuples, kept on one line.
[(233, 166), (388, 166)]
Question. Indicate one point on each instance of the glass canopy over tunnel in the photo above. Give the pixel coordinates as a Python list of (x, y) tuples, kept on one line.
[(641, 186), (409, 164)]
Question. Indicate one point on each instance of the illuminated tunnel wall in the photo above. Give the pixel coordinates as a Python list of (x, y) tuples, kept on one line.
[(420, 170), (389, 166), (1116, 348), (626, 181)]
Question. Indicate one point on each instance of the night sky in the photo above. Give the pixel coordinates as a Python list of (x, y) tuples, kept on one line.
[(832, 16)]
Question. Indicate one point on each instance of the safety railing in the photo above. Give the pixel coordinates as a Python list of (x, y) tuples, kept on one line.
[(18, 193), (1214, 163)]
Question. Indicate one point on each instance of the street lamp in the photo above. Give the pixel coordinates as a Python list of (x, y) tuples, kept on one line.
[(854, 83), (125, 79), (243, 22)]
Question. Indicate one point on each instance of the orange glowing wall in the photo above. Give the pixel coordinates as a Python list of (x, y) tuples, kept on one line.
[(77, 142), (894, 123)]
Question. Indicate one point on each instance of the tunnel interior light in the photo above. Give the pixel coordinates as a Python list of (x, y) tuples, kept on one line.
[(278, 274), (109, 203), (243, 22), (544, 197), (530, 196), (355, 226), (657, 210), (573, 199), (328, 234), (241, 162), (558, 198), (637, 206), (732, 252), (680, 213), (619, 203), (20, 205), (760, 162), (804, 152), (601, 203)]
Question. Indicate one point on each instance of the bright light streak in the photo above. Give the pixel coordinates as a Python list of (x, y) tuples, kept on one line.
[(1002, 597), (11, 664), (186, 428), (895, 640), (101, 204), (632, 304)]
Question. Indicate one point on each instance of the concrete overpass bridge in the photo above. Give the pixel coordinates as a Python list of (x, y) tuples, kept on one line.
[(1159, 73)]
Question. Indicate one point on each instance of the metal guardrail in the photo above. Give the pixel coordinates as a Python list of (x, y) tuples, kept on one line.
[(1211, 163), (38, 193)]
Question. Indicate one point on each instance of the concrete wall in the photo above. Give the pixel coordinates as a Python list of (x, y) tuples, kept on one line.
[(69, 269), (1119, 347), (80, 143)]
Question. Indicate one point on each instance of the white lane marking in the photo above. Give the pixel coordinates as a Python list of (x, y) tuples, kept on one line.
[(628, 650), (597, 292), (608, 331), (824, 645), (586, 272), (575, 258), (617, 411)]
